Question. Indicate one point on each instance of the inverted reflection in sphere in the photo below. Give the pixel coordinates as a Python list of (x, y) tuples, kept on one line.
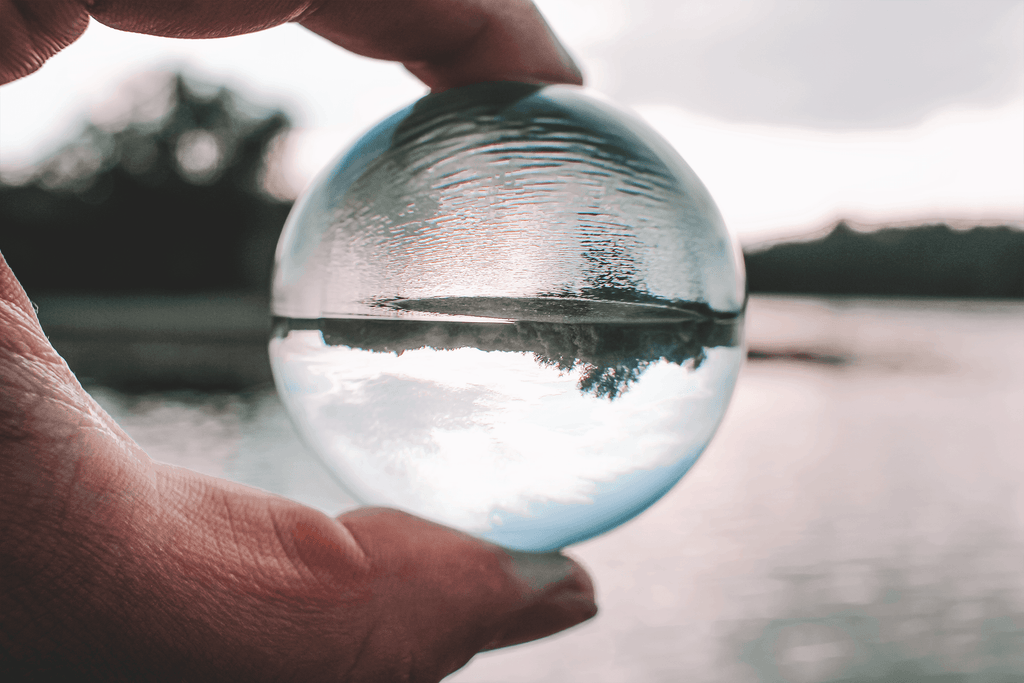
[(511, 309)]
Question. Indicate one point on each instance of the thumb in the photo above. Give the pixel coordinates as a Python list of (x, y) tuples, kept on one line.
[(448, 595)]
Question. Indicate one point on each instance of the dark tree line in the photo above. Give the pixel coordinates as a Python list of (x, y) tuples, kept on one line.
[(930, 261)]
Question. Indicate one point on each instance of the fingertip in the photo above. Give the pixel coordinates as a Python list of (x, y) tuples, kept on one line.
[(558, 595), (545, 571), (514, 44), (568, 71), (469, 594)]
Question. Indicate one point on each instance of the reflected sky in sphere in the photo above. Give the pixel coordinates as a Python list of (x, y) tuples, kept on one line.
[(495, 442)]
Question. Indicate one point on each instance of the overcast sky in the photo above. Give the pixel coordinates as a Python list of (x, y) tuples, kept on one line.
[(837, 65), (794, 112)]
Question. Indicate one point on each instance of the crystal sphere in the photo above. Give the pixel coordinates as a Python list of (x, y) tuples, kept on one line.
[(511, 309)]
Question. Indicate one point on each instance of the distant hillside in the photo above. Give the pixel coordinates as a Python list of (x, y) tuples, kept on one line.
[(176, 205), (928, 261)]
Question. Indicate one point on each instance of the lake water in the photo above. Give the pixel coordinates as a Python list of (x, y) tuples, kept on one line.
[(858, 517)]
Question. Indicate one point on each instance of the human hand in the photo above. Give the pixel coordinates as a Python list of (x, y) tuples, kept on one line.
[(115, 567)]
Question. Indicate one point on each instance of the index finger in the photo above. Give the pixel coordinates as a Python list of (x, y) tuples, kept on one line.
[(445, 43)]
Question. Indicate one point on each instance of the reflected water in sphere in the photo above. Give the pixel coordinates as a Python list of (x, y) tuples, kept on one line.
[(510, 309)]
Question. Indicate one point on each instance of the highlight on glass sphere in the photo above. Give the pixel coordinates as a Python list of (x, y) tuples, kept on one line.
[(510, 309)]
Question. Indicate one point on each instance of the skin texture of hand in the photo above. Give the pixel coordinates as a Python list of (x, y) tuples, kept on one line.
[(444, 43), (115, 567)]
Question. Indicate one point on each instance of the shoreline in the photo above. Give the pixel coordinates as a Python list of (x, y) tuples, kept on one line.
[(218, 341)]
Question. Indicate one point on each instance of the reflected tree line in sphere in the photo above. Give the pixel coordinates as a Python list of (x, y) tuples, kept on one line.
[(609, 356)]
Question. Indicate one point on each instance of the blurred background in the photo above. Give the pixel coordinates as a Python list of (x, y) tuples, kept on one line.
[(860, 515)]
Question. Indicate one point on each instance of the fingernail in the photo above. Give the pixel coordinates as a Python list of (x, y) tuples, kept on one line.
[(539, 570), (554, 578), (557, 594)]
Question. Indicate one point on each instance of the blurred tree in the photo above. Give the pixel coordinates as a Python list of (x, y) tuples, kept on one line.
[(173, 203)]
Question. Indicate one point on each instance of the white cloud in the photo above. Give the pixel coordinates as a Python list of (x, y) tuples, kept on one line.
[(959, 165)]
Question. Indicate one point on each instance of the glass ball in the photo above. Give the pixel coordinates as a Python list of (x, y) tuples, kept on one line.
[(511, 309)]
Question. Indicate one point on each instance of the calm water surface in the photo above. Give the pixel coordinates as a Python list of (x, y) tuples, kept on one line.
[(859, 516)]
